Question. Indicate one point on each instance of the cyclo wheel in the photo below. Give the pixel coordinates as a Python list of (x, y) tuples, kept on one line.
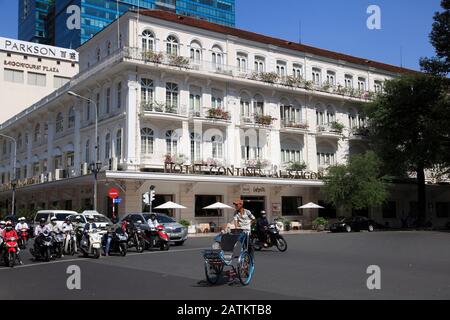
[(213, 272), (245, 268)]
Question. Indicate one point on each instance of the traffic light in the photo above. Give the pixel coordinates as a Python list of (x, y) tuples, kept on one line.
[(145, 198), (152, 193)]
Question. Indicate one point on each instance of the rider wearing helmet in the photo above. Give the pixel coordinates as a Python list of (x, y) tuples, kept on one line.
[(9, 232), (90, 225), (22, 224), (67, 225), (2, 226), (261, 227), (152, 222), (42, 228)]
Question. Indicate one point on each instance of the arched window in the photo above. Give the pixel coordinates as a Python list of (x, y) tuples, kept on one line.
[(146, 91), (148, 41), (195, 99), (291, 151), (172, 45), (352, 120), (258, 105), (251, 149), (108, 146), (260, 64), (217, 57), (290, 114), (172, 142), (171, 96), (196, 145), (331, 116), (146, 141), (59, 126), (245, 106), (37, 133), (71, 123), (118, 151), (196, 52), (217, 146), (326, 155), (242, 62), (87, 152), (19, 141)]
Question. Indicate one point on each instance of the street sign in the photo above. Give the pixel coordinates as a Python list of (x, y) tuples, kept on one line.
[(117, 200), (113, 193)]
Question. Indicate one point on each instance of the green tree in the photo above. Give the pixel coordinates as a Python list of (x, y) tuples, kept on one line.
[(357, 184), (409, 127), (440, 39)]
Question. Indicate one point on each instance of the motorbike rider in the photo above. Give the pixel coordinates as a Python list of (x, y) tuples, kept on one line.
[(42, 228), (261, 225), (152, 222), (55, 227), (107, 238), (22, 224), (2, 226), (90, 225), (9, 232), (67, 227), (243, 218)]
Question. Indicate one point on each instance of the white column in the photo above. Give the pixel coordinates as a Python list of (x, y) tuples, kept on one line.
[(273, 151), (311, 152), (29, 151), (184, 99), (185, 140), (77, 140), (50, 135), (131, 123)]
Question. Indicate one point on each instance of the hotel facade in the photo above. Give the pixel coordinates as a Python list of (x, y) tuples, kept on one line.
[(204, 113)]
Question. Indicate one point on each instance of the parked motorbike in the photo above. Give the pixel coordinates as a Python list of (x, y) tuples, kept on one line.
[(272, 237), (58, 244), (10, 251), (70, 243), (159, 238), (43, 245), (118, 243), (91, 246), (136, 238), (23, 238)]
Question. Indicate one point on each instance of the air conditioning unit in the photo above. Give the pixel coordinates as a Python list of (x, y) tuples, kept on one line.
[(84, 169)]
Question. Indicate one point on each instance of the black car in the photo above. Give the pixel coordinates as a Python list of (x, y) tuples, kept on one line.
[(353, 224)]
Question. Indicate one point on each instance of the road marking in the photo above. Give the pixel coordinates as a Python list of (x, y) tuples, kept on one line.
[(93, 260)]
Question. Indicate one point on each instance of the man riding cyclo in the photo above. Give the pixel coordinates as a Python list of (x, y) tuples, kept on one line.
[(243, 218)]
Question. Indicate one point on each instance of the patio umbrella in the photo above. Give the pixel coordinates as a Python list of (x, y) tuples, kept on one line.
[(170, 205), (311, 205), (218, 205)]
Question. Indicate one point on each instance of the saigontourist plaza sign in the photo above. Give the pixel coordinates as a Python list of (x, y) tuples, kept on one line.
[(240, 172)]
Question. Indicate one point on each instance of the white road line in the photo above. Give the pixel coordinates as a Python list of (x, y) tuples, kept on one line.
[(93, 260)]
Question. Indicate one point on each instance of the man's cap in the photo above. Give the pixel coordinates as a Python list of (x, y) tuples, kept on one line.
[(238, 201)]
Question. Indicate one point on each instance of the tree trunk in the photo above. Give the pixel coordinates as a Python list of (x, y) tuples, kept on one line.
[(421, 196)]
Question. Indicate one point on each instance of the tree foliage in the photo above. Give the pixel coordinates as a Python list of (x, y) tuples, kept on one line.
[(440, 39), (356, 185)]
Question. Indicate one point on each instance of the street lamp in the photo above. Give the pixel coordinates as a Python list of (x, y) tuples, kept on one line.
[(96, 166), (13, 179)]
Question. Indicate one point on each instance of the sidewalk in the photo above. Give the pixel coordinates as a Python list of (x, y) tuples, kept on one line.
[(213, 234)]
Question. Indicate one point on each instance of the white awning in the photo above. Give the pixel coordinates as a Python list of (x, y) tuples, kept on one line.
[(68, 148), (56, 152)]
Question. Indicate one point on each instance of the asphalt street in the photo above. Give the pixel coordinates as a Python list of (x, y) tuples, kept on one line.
[(414, 265)]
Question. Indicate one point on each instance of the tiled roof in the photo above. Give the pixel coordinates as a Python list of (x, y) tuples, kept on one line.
[(202, 24)]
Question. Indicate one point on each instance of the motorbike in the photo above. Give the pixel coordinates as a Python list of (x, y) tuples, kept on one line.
[(272, 236), (136, 238), (118, 243), (93, 245), (159, 238), (58, 241), (10, 251), (43, 245), (70, 243), (23, 238)]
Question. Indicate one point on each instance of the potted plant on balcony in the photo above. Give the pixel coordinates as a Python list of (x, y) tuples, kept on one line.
[(171, 108), (152, 56), (296, 166), (337, 127), (270, 77), (265, 120), (261, 164), (308, 85), (319, 223), (292, 81), (326, 86), (168, 159), (218, 113), (178, 61)]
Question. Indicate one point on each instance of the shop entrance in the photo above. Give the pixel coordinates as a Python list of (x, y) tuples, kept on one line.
[(254, 204)]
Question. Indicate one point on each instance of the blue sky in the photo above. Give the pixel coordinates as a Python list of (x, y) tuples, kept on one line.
[(328, 24)]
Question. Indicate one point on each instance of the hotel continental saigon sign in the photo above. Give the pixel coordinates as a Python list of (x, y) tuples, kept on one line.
[(232, 171)]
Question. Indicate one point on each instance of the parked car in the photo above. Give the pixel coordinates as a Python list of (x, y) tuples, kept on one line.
[(99, 219), (353, 224), (177, 233), (48, 214)]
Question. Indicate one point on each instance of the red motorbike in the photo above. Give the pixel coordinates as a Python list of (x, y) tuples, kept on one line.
[(10, 252), (160, 238), (23, 238)]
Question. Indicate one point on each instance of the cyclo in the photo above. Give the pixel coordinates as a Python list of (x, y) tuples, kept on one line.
[(233, 250)]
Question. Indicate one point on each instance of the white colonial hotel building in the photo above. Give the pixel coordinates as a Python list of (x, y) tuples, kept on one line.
[(205, 113)]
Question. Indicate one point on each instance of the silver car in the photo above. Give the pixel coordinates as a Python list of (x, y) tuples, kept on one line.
[(178, 233)]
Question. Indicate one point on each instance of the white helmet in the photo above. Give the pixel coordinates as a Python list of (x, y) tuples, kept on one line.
[(90, 217), (21, 219), (53, 219), (2, 223)]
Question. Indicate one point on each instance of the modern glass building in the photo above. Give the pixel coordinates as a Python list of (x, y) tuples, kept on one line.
[(45, 21)]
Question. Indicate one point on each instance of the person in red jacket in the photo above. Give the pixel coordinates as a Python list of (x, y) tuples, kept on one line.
[(9, 232)]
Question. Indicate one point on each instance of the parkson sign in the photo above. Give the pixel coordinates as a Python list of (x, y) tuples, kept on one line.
[(240, 172), (30, 48)]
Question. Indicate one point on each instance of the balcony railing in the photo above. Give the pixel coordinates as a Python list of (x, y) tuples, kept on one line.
[(257, 119), (160, 108), (359, 132), (285, 123)]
